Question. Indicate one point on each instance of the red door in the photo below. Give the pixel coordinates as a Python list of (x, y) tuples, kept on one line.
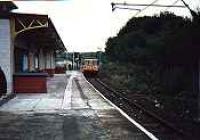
[(3, 84)]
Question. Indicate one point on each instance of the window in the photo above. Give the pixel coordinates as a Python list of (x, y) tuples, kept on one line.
[(25, 62), (36, 62)]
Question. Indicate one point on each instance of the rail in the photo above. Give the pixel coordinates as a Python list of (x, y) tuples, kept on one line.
[(151, 114)]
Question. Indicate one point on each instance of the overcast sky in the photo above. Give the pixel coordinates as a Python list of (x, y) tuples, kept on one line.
[(85, 25)]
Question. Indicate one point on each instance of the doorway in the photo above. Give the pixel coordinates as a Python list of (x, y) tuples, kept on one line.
[(3, 83)]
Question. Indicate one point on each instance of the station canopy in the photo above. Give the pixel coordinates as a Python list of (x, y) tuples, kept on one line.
[(34, 28), (38, 29)]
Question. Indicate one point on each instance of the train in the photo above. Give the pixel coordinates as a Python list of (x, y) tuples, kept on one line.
[(90, 66)]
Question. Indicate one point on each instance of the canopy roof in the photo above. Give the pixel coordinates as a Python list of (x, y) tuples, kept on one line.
[(46, 37), (32, 27), (7, 6)]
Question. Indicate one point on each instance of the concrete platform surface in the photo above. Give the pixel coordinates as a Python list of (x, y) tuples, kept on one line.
[(71, 110)]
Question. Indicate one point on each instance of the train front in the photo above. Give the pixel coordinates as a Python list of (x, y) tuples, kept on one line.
[(90, 67)]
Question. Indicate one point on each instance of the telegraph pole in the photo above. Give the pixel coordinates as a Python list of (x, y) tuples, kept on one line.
[(193, 13)]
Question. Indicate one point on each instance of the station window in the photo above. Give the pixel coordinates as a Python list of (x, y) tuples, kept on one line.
[(36, 62), (25, 62), (21, 60)]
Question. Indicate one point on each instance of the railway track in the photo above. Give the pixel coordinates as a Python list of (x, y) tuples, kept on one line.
[(151, 121)]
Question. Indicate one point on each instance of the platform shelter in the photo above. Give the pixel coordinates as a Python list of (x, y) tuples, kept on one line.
[(28, 44)]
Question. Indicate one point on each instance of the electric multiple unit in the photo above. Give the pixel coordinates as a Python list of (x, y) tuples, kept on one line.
[(90, 66)]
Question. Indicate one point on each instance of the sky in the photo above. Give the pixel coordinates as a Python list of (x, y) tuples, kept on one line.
[(85, 25)]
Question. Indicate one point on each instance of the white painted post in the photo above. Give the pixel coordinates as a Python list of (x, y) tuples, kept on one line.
[(52, 60), (31, 61), (41, 60), (48, 60)]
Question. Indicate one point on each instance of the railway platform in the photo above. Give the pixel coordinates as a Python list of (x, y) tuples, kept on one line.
[(71, 110)]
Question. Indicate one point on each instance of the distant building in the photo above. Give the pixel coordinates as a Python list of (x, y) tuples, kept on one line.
[(28, 43)]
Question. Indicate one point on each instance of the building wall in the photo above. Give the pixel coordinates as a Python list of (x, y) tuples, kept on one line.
[(6, 52)]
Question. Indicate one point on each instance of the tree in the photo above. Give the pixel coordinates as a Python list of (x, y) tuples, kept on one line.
[(163, 45)]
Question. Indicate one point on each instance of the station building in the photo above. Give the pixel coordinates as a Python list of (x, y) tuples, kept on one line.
[(28, 44)]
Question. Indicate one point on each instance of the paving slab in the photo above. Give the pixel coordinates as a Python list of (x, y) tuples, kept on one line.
[(71, 110)]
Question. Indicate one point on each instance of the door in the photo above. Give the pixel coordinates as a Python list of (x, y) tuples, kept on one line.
[(3, 83)]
